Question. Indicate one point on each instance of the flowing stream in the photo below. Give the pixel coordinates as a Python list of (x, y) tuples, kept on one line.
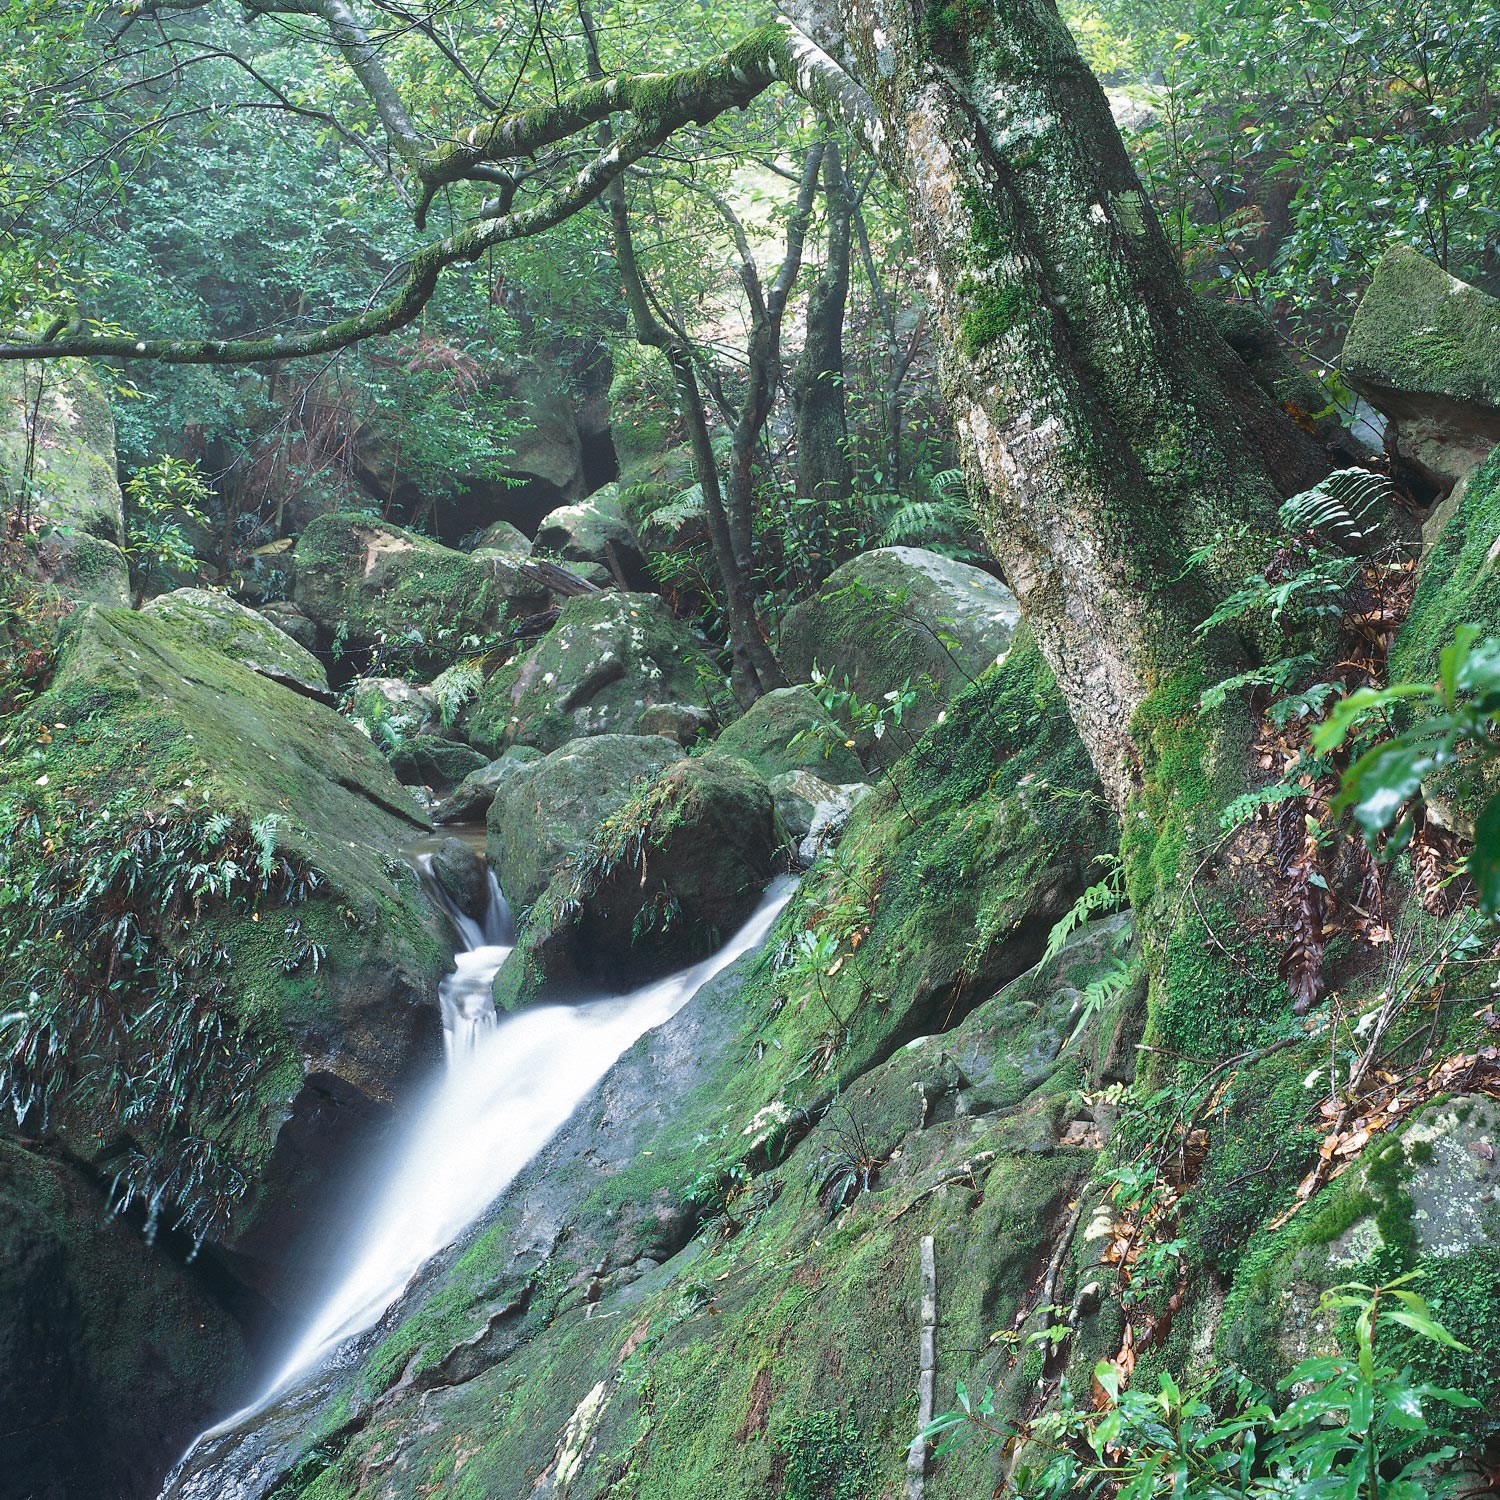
[(508, 1085)]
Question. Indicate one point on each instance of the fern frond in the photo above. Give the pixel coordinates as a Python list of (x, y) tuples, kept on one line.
[(1344, 507)]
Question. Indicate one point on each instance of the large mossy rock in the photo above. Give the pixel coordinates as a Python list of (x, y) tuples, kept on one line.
[(244, 634), (368, 583), (1424, 348), (544, 811), (112, 1355), (593, 537), (1425, 1198), (686, 1231), (613, 664), (1458, 583), (505, 541), (789, 730), (895, 616), (326, 995), (76, 506), (665, 877)]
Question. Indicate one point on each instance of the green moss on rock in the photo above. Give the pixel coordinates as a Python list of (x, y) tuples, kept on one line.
[(145, 721), (113, 1355), (611, 664)]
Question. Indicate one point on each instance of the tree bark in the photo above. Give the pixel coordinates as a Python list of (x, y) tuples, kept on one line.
[(1109, 430), (824, 469), (755, 667)]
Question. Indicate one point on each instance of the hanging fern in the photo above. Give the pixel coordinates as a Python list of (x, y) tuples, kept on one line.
[(942, 522), (1345, 507)]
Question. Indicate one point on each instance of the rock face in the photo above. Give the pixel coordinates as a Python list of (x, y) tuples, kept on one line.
[(608, 662), (664, 879), (543, 811), (112, 1356), (329, 992), (1424, 348), (471, 799), (366, 583), (899, 615), (463, 875), (78, 511), (765, 734), (245, 635), (593, 537), (504, 540)]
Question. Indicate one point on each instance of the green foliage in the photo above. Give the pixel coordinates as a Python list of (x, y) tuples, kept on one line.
[(29, 612), (1350, 1425), (163, 497), (455, 687), (115, 998), (1444, 720), (942, 521), (1345, 507), (1104, 895), (1287, 144), (826, 1459)]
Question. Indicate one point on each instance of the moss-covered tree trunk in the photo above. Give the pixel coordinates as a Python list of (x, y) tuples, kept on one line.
[(1109, 430)]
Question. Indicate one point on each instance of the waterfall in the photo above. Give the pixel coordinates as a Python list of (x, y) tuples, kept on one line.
[(509, 1084)]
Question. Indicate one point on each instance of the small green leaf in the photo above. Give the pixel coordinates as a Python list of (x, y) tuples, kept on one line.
[(1484, 859)]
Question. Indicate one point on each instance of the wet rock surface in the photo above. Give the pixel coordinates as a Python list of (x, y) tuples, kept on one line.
[(1424, 348), (610, 660)]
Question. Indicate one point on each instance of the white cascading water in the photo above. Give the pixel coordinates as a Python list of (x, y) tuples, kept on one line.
[(508, 1086)]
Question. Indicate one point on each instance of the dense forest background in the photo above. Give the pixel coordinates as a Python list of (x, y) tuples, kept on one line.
[(1025, 470)]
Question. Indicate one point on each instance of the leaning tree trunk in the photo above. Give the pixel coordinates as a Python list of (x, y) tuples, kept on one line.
[(824, 470), (1110, 430), (1106, 430)]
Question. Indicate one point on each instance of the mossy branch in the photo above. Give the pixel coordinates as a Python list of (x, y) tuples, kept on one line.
[(655, 106)]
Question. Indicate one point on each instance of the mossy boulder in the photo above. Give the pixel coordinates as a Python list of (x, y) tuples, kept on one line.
[(898, 616), (544, 810), (1423, 1198), (789, 730), (463, 875), (244, 634), (407, 707), (77, 509), (503, 540), (1458, 583), (470, 801), (112, 1355), (1424, 348), (327, 996), (664, 878), (594, 539), (610, 660), (367, 583)]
